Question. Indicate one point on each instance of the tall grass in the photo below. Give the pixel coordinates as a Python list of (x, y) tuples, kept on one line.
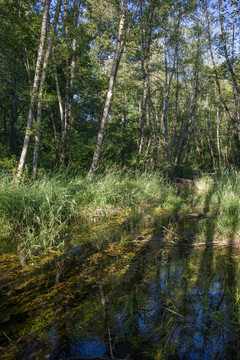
[(222, 198), (31, 213)]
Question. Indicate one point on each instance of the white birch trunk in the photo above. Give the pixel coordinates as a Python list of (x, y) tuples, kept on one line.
[(218, 139), (70, 76), (110, 91), (60, 104), (41, 90), (23, 156)]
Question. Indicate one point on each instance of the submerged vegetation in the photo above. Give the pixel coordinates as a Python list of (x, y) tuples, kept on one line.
[(138, 287)]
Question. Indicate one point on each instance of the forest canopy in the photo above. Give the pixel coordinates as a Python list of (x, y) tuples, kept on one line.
[(149, 85)]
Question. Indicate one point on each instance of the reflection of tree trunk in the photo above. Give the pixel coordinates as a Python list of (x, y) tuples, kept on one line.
[(23, 156), (105, 316)]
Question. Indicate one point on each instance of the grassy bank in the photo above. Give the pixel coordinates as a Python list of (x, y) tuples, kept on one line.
[(32, 213), (220, 195)]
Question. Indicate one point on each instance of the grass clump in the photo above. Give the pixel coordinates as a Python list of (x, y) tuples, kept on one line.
[(31, 213), (222, 199)]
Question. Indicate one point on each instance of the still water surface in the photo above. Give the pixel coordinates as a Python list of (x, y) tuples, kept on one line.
[(136, 287)]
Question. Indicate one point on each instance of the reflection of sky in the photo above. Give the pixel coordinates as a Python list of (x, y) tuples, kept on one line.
[(179, 307), (88, 347), (200, 333)]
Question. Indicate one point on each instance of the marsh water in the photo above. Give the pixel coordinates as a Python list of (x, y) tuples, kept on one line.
[(138, 286)]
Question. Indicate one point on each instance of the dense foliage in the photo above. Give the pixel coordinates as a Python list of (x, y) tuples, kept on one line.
[(176, 84)]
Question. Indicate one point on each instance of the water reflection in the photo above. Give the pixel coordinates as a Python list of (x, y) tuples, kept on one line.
[(127, 291)]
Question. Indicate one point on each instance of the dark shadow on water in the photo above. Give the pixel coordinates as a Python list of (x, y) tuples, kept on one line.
[(149, 293)]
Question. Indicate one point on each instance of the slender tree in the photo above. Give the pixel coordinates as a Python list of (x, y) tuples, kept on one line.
[(117, 57), (145, 59), (22, 159), (41, 88)]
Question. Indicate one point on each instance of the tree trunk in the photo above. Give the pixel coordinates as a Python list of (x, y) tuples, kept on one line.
[(229, 64), (55, 138), (214, 65), (41, 89), (14, 118), (110, 91), (191, 109), (235, 85), (71, 85), (153, 160), (166, 105), (146, 45), (218, 137), (176, 116), (209, 139), (147, 160), (168, 83), (23, 156), (60, 104), (117, 57)]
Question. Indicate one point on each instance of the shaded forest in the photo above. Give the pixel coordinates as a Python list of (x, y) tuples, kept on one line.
[(148, 85)]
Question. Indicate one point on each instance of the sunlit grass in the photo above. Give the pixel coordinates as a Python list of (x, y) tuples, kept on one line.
[(221, 198), (32, 212)]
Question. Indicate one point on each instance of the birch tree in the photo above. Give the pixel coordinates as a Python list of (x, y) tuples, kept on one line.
[(34, 90), (41, 88), (145, 59), (117, 57)]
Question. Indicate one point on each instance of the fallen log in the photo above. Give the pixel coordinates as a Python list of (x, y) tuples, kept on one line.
[(184, 181), (195, 215)]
